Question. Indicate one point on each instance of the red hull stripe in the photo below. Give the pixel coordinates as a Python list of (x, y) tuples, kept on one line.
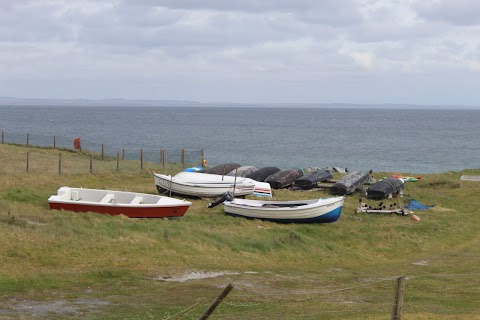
[(132, 212)]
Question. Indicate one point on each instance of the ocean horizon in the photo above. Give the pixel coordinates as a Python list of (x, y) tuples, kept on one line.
[(382, 139)]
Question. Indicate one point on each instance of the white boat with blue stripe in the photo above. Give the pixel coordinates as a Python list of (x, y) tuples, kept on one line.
[(324, 210)]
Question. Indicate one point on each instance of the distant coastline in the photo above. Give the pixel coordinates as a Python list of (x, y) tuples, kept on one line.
[(33, 102)]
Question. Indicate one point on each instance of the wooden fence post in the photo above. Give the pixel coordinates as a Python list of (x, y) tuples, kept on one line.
[(123, 153), (28, 162), (398, 299), (164, 159), (54, 142), (141, 159), (59, 163), (102, 152), (2, 136), (202, 158), (183, 158), (118, 161), (91, 164), (217, 301), (28, 138)]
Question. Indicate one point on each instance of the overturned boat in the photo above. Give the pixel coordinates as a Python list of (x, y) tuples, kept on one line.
[(284, 178), (385, 188), (222, 169), (262, 173), (350, 182), (243, 171), (311, 179)]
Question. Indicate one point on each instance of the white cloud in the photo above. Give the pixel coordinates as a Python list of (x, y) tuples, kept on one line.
[(364, 59), (474, 66)]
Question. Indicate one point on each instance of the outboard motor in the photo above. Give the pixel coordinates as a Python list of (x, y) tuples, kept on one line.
[(227, 196)]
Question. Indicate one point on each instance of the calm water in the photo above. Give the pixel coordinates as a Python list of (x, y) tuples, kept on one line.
[(412, 141)]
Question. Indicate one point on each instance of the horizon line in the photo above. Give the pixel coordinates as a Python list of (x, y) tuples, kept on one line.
[(16, 101)]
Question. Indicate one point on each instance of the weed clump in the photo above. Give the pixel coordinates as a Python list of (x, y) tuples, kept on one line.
[(12, 220)]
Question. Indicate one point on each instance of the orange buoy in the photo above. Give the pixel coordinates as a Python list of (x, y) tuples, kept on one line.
[(415, 218), (76, 143), (204, 163)]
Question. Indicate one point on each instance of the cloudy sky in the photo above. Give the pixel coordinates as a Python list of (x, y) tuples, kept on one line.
[(258, 51)]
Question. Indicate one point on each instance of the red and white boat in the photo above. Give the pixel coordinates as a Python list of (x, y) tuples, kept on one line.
[(130, 204)]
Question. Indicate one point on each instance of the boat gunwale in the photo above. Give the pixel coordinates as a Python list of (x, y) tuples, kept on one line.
[(169, 201), (312, 203)]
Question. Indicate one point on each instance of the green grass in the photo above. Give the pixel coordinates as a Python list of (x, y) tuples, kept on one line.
[(60, 265)]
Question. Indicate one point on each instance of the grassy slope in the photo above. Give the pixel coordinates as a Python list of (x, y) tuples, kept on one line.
[(63, 265)]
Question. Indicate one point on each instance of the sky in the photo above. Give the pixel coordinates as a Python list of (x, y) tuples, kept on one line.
[(246, 51)]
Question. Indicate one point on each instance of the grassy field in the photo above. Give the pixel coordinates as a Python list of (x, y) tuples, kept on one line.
[(64, 265)]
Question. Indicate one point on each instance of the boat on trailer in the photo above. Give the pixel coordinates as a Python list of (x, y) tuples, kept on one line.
[(324, 210), (130, 204), (385, 188)]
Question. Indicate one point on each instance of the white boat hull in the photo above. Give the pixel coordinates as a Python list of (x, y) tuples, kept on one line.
[(324, 210), (203, 185)]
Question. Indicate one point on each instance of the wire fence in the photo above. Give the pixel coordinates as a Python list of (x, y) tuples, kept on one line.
[(431, 296), (100, 157)]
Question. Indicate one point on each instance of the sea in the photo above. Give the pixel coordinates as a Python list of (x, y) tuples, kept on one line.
[(400, 140)]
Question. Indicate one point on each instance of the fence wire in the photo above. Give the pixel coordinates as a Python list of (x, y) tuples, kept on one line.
[(457, 295), (103, 158)]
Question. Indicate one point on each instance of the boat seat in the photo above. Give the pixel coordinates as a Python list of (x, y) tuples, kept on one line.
[(108, 198), (74, 196), (137, 200)]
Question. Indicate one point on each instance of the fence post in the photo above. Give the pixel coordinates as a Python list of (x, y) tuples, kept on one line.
[(118, 161), (102, 152), (398, 299), (141, 159), (217, 301), (91, 164), (28, 162), (123, 153), (164, 158), (54, 142), (59, 163), (183, 158), (28, 138), (202, 158), (2, 136)]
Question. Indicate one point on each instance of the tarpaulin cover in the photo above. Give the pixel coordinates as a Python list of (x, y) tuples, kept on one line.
[(415, 205)]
